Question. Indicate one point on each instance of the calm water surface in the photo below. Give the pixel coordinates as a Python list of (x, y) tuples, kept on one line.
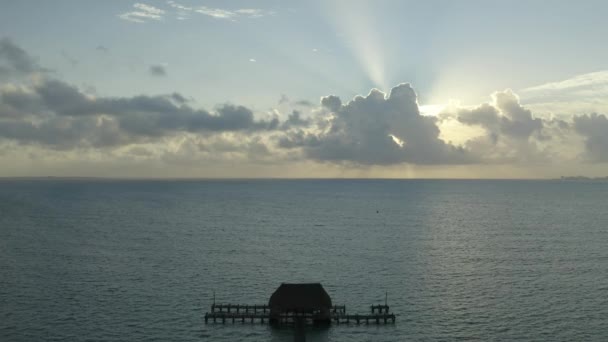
[(461, 260)]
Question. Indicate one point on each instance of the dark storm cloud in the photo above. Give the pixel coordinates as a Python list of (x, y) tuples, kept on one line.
[(157, 70), (594, 128), (14, 61), (378, 130)]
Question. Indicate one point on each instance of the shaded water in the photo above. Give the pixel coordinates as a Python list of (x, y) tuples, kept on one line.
[(139, 260)]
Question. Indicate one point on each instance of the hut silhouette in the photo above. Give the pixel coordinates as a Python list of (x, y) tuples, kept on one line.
[(300, 300)]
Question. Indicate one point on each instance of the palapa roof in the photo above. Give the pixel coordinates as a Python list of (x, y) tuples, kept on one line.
[(300, 297)]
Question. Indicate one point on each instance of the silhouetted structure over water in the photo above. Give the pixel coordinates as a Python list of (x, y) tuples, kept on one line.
[(297, 305), (309, 300)]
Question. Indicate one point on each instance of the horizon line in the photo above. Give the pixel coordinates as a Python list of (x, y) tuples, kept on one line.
[(110, 178)]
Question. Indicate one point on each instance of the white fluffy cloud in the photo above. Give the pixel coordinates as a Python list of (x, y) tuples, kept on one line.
[(378, 129), (183, 12), (142, 13)]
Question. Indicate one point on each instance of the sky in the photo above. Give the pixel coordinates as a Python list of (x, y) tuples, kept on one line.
[(215, 89)]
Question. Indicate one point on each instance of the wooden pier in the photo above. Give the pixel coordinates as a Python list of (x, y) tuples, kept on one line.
[(297, 305), (369, 318), (238, 313)]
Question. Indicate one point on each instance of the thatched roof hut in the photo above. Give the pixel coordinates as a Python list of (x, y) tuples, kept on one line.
[(303, 298)]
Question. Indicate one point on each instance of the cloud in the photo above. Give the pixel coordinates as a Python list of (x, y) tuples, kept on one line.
[(253, 12), (59, 115), (510, 132), (332, 102), (49, 106), (71, 60), (580, 93), (219, 13), (378, 129), (183, 12), (283, 99), (594, 128), (505, 117), (44, 115), (142, 13), (14, 61), (304, 103), (577, 82), (178, 98), (102, 48), (157, 70), (179, 6), (295, 120)]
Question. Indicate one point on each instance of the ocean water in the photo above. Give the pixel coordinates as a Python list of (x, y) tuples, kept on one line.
[(90, 260)]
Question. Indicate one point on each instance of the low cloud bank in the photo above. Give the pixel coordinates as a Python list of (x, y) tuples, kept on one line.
[(378, 129)]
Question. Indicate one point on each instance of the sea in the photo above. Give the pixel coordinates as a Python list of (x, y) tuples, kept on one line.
[(456, 260)]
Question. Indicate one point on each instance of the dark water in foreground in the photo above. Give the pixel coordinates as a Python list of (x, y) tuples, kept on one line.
[(461, 260)]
